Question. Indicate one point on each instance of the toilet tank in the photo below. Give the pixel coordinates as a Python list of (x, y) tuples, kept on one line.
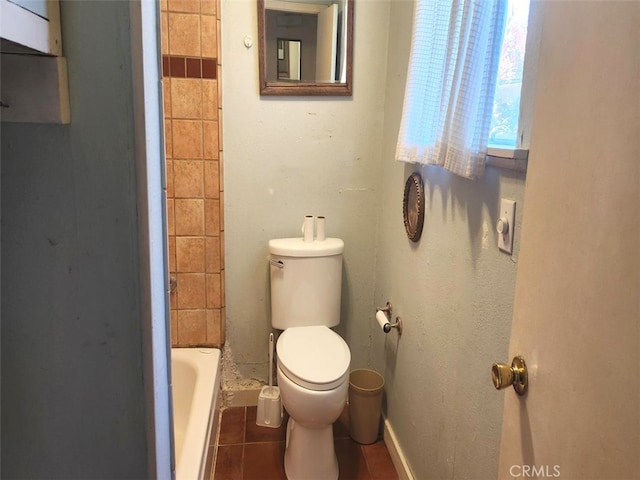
[(306, 282)]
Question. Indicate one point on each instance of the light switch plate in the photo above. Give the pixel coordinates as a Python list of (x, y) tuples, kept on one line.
[(507, 215)]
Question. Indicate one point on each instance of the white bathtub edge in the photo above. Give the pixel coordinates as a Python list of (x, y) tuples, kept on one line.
[(207, 363)]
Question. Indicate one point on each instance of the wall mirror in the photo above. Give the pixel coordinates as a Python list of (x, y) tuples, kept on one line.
[(305, 47)]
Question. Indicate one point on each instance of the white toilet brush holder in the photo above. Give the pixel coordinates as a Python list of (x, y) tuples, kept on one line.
[(270, 411)]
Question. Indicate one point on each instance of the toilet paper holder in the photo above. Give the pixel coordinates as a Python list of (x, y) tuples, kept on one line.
[(387, 309)]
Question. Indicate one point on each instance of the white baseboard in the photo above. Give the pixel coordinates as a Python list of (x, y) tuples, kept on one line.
[(397, 457)]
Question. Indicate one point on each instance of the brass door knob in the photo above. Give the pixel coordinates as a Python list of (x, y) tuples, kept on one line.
[(516, 375)]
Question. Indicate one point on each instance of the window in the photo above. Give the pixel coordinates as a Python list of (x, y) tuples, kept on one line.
[(504, 132), (462, 53)]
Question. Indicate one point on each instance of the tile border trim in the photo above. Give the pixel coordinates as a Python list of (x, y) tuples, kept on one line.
[(176, 66)]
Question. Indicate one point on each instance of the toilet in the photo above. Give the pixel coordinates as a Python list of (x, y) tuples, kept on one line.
[(313, 360)]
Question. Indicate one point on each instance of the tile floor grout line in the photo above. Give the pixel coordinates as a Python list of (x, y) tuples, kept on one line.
[(366, 460), (244, 443)]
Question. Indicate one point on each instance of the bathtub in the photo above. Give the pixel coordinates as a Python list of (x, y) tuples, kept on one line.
[(195, 375)]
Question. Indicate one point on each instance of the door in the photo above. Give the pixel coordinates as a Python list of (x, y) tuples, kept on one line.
[(326, 44), (577, 300)]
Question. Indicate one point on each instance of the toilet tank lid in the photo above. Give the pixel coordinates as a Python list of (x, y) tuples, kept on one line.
[(297, 247)]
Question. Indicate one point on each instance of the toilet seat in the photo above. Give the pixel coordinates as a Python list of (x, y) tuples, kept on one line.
[(313, 357)]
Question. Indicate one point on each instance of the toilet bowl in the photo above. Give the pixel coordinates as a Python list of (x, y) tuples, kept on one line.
[(313, 374)]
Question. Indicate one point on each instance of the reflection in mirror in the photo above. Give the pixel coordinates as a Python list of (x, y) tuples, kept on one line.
[(305, 47), (288, 59)]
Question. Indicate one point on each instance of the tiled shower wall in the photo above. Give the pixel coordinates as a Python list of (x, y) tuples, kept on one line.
[(192, 109)]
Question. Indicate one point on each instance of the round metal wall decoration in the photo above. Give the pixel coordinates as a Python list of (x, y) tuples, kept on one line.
[(413, 206)]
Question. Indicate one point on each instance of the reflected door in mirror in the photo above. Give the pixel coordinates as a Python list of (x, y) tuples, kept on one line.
[(288, 61)]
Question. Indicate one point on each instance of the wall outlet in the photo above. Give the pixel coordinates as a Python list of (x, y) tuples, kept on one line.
[(506, 224)]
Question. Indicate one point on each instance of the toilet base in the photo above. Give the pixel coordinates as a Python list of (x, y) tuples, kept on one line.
[(310, 453)]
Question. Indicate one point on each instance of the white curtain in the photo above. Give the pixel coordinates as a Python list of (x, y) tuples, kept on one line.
[(450, 84)]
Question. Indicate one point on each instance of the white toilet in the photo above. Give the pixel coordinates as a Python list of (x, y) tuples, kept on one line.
[(313, 361)]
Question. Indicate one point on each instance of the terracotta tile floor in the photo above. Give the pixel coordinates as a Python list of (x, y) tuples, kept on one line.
[(247, 451)]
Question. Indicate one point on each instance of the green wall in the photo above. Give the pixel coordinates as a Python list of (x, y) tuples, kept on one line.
[(73, 403)]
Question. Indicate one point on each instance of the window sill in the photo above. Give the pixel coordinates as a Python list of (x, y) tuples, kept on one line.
[(508, 158)]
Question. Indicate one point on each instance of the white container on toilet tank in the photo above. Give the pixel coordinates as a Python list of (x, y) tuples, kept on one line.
[(306, 282)]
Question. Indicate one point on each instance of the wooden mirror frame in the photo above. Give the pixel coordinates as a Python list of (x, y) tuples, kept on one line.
[(303, 88)]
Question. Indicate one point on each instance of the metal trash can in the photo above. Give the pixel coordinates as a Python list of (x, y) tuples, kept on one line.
[(365, 401)]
